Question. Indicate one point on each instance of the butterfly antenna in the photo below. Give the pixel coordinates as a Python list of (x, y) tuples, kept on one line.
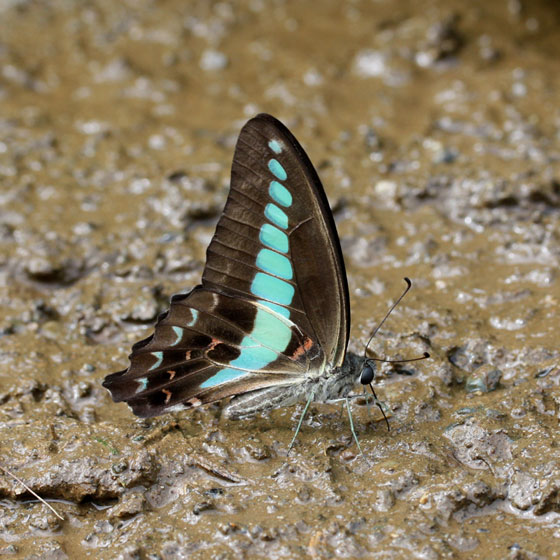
[(423, 357), (408, 286), (368, 371)]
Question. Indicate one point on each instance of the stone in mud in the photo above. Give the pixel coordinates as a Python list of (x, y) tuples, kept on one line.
[(483, 380), (478, 447), (129, 505), (523, 491), (550, 500), (50, 270)]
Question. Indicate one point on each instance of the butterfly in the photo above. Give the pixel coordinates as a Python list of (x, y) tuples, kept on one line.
[(270, 321)]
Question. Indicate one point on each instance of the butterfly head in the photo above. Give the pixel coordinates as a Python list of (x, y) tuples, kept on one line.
[(367, 374)]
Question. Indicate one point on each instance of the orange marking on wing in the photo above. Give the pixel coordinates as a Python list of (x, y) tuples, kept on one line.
[(213, 344), (167, 395), (301, 350), (188, 355), (171, 374)]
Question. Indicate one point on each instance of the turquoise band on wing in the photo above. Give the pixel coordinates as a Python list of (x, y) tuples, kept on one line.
[(280, 194), (274, 238), (275, 146), (277, 170), (269, 287), (254, 358), (159, 359), (142, 384), (277, 216), (269, 337), (284, 311), (179, 333), (270, 331), (275, 263), (227, 374), (194, 313)]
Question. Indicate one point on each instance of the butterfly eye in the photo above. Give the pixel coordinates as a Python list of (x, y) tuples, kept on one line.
[(367, 375)]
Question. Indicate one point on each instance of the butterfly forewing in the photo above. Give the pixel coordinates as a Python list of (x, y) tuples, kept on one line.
[(273, 305), (277, 222)]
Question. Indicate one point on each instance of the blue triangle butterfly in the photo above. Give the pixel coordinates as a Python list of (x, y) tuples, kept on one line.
[(269, 324)]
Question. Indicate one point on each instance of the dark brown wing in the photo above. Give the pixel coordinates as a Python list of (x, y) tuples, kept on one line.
[(188, 360), (320, 306)]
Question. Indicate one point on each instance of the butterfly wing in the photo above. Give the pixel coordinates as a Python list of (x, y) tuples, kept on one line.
[(273, 304), (277, 217), (209, 346)]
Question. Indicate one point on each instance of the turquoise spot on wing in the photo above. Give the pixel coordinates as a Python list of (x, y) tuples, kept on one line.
[(275, 146), (280, 194), (277, 170), (272, 288), (268, 330), (227, 374), (275, 263), (179, 333), (274, 238), (254, 358), (284, 311), (276, 216), (159, 356), (142, 384), (194, 318)]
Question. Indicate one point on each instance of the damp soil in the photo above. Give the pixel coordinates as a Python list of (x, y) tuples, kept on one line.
[(435, 127)]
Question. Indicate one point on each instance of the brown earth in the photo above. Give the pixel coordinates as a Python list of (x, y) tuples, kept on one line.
[(435, 127)]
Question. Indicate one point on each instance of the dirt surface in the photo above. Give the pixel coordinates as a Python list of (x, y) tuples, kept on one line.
[(435, 127)]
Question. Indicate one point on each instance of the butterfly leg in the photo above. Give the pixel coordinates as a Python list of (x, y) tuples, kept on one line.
[(375, 401), (309, 401), (367, 402), (354, 431)]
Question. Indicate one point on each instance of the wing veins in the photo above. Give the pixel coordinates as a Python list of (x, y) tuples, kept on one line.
[(239, 222), (253, 172), (173, 381), (223, 244), (210, 267), (249, 238), (261, 217), (251, 266), (238, 191)]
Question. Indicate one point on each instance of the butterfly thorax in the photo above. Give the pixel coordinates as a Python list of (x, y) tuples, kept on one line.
[(338, 382), (335, 383)]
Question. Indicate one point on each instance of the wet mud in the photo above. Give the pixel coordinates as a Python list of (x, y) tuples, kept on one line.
[(435, 128)]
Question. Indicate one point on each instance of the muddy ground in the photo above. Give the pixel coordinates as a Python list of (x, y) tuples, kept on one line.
[(435, 127)]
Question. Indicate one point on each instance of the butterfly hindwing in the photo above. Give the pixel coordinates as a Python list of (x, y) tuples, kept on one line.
[(273, 305), (206, 347)]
